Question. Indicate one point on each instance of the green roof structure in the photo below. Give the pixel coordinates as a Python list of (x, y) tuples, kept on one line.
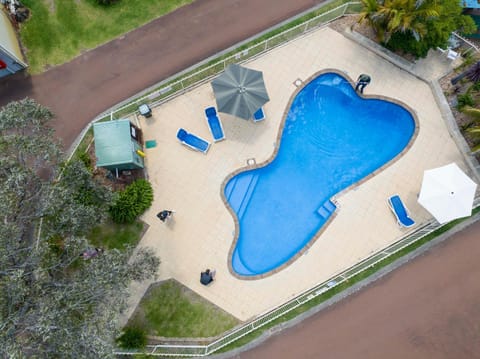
[(116, 146)]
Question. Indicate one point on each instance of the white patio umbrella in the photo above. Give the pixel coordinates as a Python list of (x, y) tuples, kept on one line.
[(447, 193)]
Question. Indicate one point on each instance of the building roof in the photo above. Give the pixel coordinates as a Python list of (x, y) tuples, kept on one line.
[(113, 143), (8, 38)]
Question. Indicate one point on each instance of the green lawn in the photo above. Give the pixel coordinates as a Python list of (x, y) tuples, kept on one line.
[(111, 235), (172, 310), (60, 30)]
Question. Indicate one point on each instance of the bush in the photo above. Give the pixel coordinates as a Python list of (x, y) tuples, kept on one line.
[(87, 161), (132, 338), (132, 202), (105, 2), (465, 100)]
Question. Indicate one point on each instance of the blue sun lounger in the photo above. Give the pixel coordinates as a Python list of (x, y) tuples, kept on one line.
[(259, 115), (400, 211), (214, 124), (194, 142)]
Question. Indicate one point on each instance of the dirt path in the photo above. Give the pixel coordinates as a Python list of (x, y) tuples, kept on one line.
[(80, 90), (429, 308)]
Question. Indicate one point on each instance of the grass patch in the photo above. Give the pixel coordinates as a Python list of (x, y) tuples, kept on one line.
[(111, 235), (87, 139), (172, 310), (59, 30)]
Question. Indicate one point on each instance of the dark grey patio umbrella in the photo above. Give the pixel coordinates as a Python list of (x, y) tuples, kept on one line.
[(240, 91)]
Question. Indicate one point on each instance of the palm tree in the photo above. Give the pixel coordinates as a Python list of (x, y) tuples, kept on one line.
[(473, 73), (407, 16), (369, 13)]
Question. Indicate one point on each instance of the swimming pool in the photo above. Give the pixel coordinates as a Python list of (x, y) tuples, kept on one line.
[(331, 139)]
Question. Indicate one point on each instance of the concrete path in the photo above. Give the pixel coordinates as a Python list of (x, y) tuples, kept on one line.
[(83, 88)]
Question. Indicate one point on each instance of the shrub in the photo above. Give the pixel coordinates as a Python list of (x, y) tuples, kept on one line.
[(472, 112), (476, 86), (132, 338), (132, 202), (87, 161), (105, 2), (465, 100)]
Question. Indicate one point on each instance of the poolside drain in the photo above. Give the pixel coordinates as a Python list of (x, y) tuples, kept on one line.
[(298, 82)]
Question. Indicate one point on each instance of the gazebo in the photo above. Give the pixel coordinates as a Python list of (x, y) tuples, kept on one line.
[(118, 145)]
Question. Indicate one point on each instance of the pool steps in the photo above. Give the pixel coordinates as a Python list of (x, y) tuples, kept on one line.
[(239, 191), (326, 209), (239, 266)]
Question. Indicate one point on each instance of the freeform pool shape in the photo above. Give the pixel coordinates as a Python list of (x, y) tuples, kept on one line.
[(331, 139)]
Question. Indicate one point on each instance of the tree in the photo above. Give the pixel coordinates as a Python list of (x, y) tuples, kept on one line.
[(370, 14), (417, 26), (76, 201), (52, 302), (406, 17)]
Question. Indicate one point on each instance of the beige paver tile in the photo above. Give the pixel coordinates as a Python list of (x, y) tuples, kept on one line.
[(201, 232)]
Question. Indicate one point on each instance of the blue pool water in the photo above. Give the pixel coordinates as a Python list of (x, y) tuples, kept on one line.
[(331, 139)]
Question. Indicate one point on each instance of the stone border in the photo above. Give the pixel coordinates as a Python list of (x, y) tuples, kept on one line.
[(252, 165)]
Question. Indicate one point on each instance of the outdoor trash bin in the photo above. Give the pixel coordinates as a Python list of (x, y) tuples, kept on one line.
[(145, 110)]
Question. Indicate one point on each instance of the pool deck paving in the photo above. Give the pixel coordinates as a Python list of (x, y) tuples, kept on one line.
[(202, 230)]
